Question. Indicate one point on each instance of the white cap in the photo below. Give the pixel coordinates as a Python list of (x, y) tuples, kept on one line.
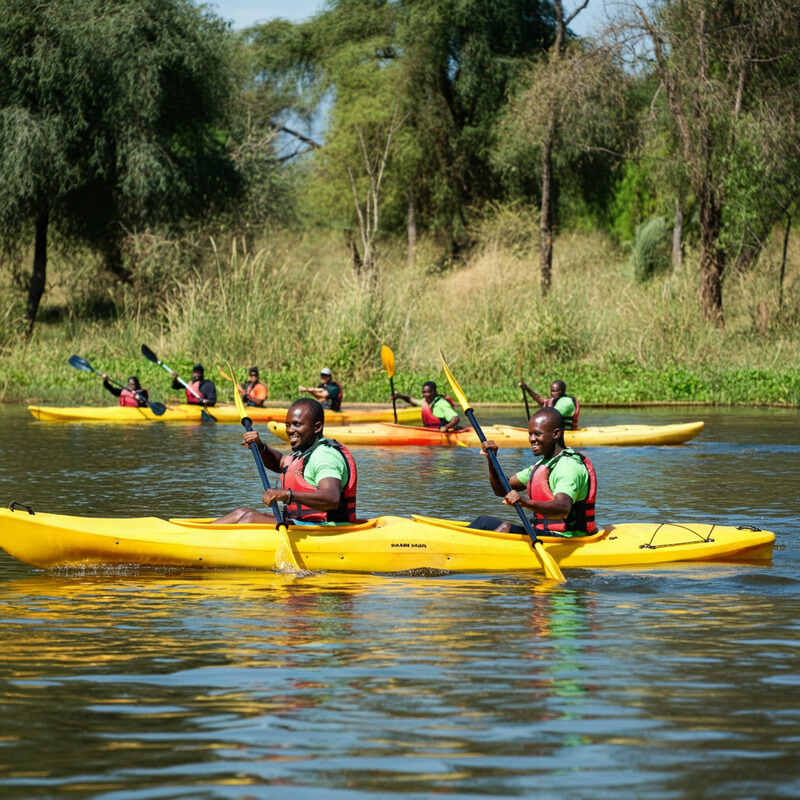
[(325, 371)]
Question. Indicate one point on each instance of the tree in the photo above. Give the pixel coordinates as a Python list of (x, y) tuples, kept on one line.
[(569, 118), (453, 64), (111, 114), (729, 74)]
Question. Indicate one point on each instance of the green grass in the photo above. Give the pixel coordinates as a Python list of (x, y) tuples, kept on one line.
[(293, 304)]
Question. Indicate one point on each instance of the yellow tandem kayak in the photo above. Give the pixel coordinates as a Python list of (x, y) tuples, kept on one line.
[(382, 544), (385, 434), (184, 412)]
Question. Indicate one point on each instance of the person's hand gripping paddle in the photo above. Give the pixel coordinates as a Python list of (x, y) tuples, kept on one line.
[(551, 568)]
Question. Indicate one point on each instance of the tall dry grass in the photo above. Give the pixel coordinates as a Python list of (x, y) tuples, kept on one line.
[(292, 304)]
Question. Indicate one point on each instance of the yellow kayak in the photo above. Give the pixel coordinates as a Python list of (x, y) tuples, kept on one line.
[(383, 434), (183, 412), (382, 544)]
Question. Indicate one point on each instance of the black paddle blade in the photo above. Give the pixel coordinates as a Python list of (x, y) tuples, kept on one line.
[(149, 354), (80, 363), (157, 408), (206, 417)]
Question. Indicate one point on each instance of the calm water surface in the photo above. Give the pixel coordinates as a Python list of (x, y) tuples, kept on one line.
[(670, 682)]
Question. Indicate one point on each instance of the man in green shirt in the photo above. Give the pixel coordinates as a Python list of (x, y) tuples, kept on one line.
[(318, 478), (437, 410), (565, 404), (559, 488)]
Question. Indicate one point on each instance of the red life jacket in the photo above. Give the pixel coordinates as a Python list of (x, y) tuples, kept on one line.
[(190, 398), (131, 399), (428, 419), (581, 515), (570, 423), (292, 478)]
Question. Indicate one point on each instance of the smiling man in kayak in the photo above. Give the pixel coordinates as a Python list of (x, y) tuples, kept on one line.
[(567, 405), (560, 488), (318, 478), (437, 410)]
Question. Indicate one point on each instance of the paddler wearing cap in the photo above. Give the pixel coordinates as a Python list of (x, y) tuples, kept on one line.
[(206, 389), (328, 392)]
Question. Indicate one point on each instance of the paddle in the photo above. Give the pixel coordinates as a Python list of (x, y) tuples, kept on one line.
[(281, 526), (151, 356), (524, 393), (387, 356), (84, 366), (551, 568)]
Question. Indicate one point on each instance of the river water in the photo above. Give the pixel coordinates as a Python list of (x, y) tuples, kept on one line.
[(673, 682)]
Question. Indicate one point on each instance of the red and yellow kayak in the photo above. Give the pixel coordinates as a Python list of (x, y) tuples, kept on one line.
[(183, 412), (386, 434), (382, 544)]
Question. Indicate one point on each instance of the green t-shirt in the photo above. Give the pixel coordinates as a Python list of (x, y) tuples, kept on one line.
[(569, 476), (325, 462), (442, 409), (565, 407)]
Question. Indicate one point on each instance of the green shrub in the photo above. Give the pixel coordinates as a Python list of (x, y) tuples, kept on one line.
[(651, 249)]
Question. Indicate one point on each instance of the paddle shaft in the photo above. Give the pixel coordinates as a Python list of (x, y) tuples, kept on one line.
[(151, 356), (527, 407), (262, 473), (394, 399), (501, 475)]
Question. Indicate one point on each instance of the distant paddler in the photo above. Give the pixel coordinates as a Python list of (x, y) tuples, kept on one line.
[(318, 478), (566, 405), (199, 391), (437, 409), (253, 391), (132, 395), (560, 488), (328, 392)]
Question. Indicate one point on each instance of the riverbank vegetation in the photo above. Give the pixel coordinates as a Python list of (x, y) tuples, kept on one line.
[(616, 211)]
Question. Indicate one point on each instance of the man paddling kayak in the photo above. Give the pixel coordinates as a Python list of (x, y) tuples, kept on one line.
[(567, 405), (318, 478), (560, 488), (206, 389), (437, 410), (329, 393)]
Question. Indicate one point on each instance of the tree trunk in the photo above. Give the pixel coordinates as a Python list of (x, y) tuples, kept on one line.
[(412, 231), (39, 273), (677, 237), (712, 260), (546, 218), (783, 259)]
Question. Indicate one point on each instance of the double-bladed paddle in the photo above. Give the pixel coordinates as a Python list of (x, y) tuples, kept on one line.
[(387, 357), (151, 356), (281, 527), (551, 568), (84, 366)]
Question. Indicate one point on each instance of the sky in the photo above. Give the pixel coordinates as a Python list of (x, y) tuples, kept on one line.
[(243, 13)]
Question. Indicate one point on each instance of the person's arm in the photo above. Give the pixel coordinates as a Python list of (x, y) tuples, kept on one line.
[(537, 397), (406, 398), (494, 478), (175, 384), (324, 498), (319, 392), (557, 508), (443, 410), (113, 389), (270, 457)]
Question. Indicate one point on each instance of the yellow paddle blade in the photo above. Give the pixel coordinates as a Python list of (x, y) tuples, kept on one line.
[(549, 564), (387, 356), (457, 391), (237, 398), (225, 374)]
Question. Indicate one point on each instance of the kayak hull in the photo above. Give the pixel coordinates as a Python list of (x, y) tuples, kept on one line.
[(387, 434), (384, 544), (184, 412)]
